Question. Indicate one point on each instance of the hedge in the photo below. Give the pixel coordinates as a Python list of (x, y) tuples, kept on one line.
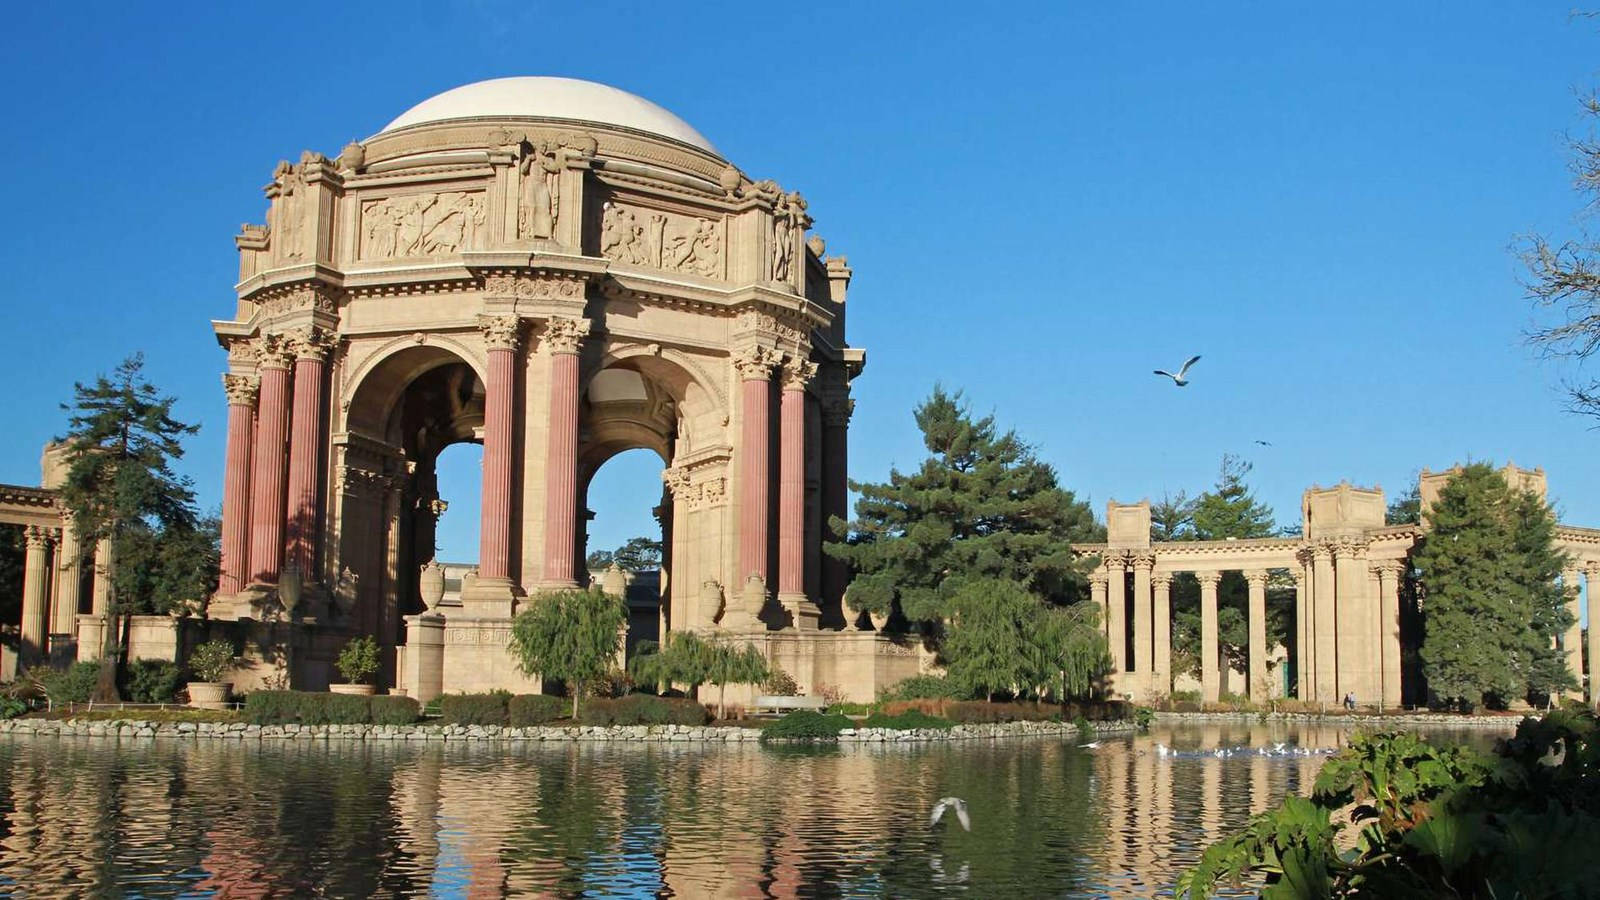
[(535, 709), (75, 684), (906, 721), (318, 708), (642, 709), (272, 707), (807, 725), (393, 710), (335, 709), (152, 681), (475, 709)]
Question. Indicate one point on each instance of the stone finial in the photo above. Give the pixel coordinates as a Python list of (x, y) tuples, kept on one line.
[(563, 335), (352, 157), (755, 363), (501, 332), (729, 179), (614, 581), (816, 245), (242, 390)]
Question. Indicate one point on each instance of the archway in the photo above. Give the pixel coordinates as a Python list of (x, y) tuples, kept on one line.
[(625, 502)]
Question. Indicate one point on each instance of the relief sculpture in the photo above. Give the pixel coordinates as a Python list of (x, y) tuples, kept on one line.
[(541, 192), (674, 243), (421, 224)]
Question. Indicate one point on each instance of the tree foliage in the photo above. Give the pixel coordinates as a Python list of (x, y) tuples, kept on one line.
[(1405, 509), (636, 555), (1002, 639), (1230, 509), (569, 636), (1488, 568), (689, 659), (981, 506)]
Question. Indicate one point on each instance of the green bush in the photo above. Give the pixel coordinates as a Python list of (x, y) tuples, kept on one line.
[(523, 710), (358, 660), (74, 684), (641, 709), (1143, 716), (152, 681), (682, 711), (922, 687), (475, 709), (392, 710), (1184, 696), (211, 660), (779, 684), (272, 707), (598, 711), (11, 707), (334, 709), (806, 725), (1085, 730), (906, 721)]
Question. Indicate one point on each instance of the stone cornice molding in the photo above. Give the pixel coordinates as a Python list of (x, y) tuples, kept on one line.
[(797, 373), (501, 332), (542, 285), (296, 297), (755, 363), (1348, 548), (1208, 579), (564, 335), (242, 390), (273, 351)]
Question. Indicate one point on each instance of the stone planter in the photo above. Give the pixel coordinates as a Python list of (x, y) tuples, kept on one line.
[(209, 694), (362, 690)]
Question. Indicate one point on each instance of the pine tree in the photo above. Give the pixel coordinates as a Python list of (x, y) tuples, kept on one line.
[(1492, 606), (982, 505), (121, 443)]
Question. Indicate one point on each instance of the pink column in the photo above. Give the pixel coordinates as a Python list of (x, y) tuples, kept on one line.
[(241, 391), (501, 336), (755, 371), (266, 483), (310, 346), (792, 491), (562, 337)]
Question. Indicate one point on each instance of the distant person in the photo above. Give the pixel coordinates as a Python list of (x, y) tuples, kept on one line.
[(1350, 700)]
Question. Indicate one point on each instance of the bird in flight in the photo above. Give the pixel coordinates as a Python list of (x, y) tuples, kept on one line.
[(955, 803), (1182, 378), (1265, 443)]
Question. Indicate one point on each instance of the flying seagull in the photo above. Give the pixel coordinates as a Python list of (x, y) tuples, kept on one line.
[(1181, 378), (955, 803), (1265, 443)]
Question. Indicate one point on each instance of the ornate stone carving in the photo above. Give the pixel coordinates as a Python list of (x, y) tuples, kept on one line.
[(677, 243), (1142, 559), (816, 245), (310, 342), (797, 373), (304, 297), (563, 335), (524, 287), (711, 599), (422, 224), (1099, 578), (622, 238), (787, 218), (241, 389), (694, 494), (836, 411), (541, 192), (290, 189), (39, 537), (273, 351), (1208, 578), (1161, 580), (761, 323), (755, 363), (501, 332), (1257, 576)]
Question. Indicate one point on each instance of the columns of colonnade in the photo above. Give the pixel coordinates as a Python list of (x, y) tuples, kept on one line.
[(69, 582), (1389, 575), (1257, 673), (241, 391), (35, 596), (493, 591), (1143, 637), (1117, 611), (1591, 575), (836, 412), (310, 347), (1357, 631), (1572, 640), (1210, 674), (803, 613), (1162, 668), (1304, 670), (562, 337), (1324, 638), (755, 365), (267, 476)]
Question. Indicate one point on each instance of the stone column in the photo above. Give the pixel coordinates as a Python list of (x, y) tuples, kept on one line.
[(1572, 640), (241, 391), (1210, 673), (1389, 575), (35, 602), (562, 338), (1591, 576), (1258, 635), (310, 347), (792, 495), (1117, 611), (1143, 637), (1302, 631), (1324, 637), (69, 581), (267, 476), (754, 365), (1357, 627), (492, 591), (1097, 591), (1162, 602), (835, 496)]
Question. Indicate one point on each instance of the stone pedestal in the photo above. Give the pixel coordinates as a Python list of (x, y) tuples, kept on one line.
[(803, 614), (91, 637), (423, 673)]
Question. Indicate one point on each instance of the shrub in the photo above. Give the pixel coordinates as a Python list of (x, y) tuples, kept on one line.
[(11, 707), (358, 661), (475, 709), (640, 709), (1085, 730), (806, 725), (906, 721), (74, 684), (929, 705), (1185, 697), (686, 712), (1143, 716), (534, 709), (922, 687), (333, 709), (780, 684), (272, 707), (211, 660), (643, 709), (598, 711), (152, 681), (392, 710)]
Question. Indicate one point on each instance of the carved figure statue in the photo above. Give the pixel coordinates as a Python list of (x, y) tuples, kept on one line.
[(541, 192), (697, 252), (783, 245), (289, 211), (622, 237)]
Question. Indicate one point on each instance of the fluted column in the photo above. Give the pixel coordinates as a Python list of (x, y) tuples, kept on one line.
[(1389, 575), (1097, 592), (69, 582), (1572, 640), (310, 347), (562, 338), (1210, 672), (835, 495), (1161, 583), (1143, 636), (1302, 630), (754, 366), (792, 494), (267, 475), (1117, 611), (1357, 628), (1325, 637), (242, 391), (35, 602), (1257, 673), (492, 592), (1591, 576)]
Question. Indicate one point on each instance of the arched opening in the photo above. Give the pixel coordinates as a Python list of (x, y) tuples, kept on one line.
[(625, 503), (458, 481)]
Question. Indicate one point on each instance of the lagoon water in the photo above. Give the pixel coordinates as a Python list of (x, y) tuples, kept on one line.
[(184, 818)]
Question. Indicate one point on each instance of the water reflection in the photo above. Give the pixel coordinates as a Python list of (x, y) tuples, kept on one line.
[(163, 819)]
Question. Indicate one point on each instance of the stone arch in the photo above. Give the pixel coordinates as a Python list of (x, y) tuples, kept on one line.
[(381, 379)]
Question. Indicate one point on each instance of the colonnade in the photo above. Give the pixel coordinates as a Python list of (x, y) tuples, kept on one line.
[(52, 590)]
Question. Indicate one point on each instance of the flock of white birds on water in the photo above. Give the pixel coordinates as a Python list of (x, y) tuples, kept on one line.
[(1276, 750)]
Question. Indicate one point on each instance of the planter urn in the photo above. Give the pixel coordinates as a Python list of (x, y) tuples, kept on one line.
[(209, 694), (361, 690)]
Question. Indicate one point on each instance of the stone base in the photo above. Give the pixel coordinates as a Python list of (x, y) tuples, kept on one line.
[(91, 637), (803, 614), (489, 598)]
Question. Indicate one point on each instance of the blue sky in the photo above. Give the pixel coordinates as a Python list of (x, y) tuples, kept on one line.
[(1041, 205)]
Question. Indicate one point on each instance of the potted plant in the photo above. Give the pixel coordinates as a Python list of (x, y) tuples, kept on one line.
[(209, 663), (357, 662)]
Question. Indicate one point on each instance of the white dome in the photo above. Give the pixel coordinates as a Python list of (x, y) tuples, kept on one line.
[(531, 97)]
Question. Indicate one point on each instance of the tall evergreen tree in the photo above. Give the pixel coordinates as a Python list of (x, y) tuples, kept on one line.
[(982, 505), (1230, 509), (1488, 569), (121, 442)]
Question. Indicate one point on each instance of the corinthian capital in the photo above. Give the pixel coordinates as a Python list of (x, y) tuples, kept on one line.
[(273, 351), (755, 363), (39, 537), (1208, 579), (241, 389), (563, 335), (797, 373), (500, 332), (836, 411), (310, 342)]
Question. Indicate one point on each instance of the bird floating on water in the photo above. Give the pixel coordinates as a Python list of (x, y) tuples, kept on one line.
[(1275, 751), (1182, 378), (955, 803), (1092, 745)]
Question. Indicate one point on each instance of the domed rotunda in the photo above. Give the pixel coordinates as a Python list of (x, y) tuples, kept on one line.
[(560, 271)]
